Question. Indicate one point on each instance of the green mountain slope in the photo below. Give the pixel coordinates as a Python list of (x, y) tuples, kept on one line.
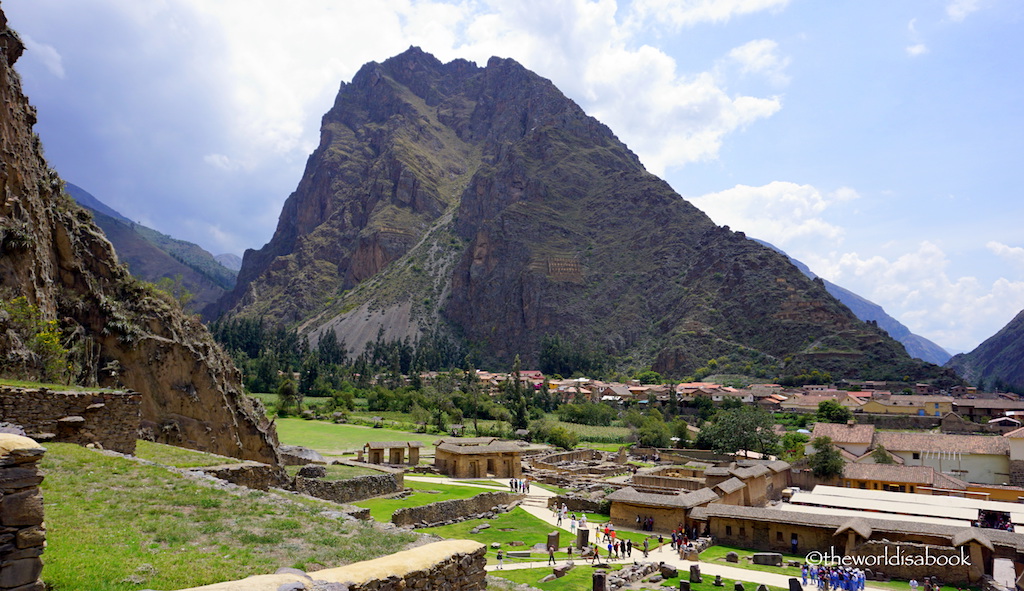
[(151, 255), (997, 363), (482, 204)]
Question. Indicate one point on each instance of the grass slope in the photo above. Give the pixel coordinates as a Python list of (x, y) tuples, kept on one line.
[(332, 439), (116, 524)]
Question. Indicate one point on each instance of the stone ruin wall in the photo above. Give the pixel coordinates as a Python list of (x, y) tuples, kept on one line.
[(579, 504), (452, 565), (556, 461), (110, 419), (350, 490), (453, 510), (22, 534), (654, 481)]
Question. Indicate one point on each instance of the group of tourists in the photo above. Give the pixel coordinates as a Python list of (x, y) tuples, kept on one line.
[(645, 522), (519, 485), (834, 578)]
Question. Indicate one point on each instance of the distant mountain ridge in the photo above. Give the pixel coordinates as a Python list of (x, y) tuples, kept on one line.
[(997, 363), (481, 204), (152, 255), (916, 345)]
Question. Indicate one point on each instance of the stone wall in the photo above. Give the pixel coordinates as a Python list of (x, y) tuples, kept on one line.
[(110, 419), (350, 489), (452, 565), (248, 474), (1017, 472), (578, 504), (654, 481), (554, 461), (22, 536), (898, 421), (955, 424), (454, 510)]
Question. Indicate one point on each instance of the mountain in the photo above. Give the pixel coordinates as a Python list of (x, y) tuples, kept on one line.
[(482, 207), (151, 255), (998, 363), (79, 306), (868, 311), (229, 261)]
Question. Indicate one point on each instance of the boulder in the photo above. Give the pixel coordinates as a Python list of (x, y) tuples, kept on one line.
[(561, 569), (767, 558), (738, 587), (695, 574), (547, 579), (312, 471), (718, 581), (668, 571), (794, 584), (296, 455), (732, 557)]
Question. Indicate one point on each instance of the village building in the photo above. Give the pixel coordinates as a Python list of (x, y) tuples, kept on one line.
[(899, 478), (391, 452), (909, 404), (801, 532), (851, 437), (630, 507), (985, 409), (478, 457)]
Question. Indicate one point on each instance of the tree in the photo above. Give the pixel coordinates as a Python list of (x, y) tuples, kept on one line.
[(288, 397), (825, 462), (516, 398), (746, 428), (831, 411), (793, 446), (881, 456)]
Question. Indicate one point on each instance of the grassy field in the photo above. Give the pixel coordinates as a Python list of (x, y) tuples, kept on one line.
[(581, 577), (116, 524), (426, 493), (179, 457), (516, 525), (332, 439)]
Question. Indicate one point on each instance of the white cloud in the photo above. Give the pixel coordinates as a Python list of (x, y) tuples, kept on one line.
[(916, 288), (686, 13), (917, 49), (778, 212), (761, 57), (47, 54), (1014, 254), (959, 9)]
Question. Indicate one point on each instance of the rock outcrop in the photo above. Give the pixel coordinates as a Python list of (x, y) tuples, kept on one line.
[(998, 363), (121, 331)]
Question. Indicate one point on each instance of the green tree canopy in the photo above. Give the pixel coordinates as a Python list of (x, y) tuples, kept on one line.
[(881, 456), (832, 412), (825, 462), (744, 428)]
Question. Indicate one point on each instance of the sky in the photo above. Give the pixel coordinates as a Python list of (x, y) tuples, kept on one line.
[(876, 141)]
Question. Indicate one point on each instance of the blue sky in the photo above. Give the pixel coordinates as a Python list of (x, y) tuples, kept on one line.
[(877, 141)]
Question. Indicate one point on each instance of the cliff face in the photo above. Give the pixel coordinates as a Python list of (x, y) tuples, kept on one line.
[(998, 363), (120, 331), (483, 202)]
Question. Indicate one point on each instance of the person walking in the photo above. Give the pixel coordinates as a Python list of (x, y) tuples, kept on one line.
[(551, 555), (629, 548), (647, 546), (501, 559)]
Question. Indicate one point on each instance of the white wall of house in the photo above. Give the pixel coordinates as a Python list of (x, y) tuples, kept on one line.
[(980, 468)]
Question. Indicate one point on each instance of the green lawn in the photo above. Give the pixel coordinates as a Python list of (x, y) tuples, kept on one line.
[(516, 525), (115, 524), (581, 577), (427, 492), (179, 457), (333, 439)]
